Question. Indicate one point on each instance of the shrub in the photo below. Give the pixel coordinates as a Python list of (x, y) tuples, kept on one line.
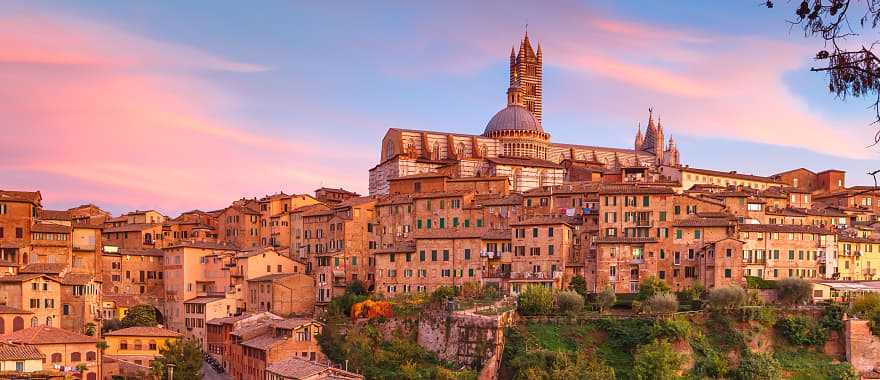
[(832, 317), (535, 300), (672, 329), (578, 284), (651, 286), (866, 305), (606, 299), (757, 366), (570, 302), (843, 371), (759, 283), (801, 331), (660, 303), (709, 363), (657, 360), (794, 291), (140, 315), (442, 293), (726, 298), (471, 290)]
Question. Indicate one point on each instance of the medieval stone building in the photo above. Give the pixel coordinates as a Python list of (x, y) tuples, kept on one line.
[(514, 143)]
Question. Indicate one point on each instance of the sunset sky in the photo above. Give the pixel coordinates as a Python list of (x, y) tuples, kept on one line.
[(182, 105)]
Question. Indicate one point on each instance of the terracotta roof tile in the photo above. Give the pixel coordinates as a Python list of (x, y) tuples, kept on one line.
[(20, 196), (296, 368), (38, 268), (144, 331), (785, 228), (50, 228), (12, 351), (54, 215), (47, 335)]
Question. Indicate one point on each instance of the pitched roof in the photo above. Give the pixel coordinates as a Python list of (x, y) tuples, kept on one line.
[(39, 268), (293, 323), (54, 214), (144, 331), (22, 277), (140, 252), (262, 342), (203, 299), (203, 245), (20, 196), (297, 368), (696, 221), (47, 335), (14, 351), (496, 234), (50, 228)]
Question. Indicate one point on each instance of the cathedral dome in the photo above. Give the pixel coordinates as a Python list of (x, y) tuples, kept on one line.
[(513, 118)]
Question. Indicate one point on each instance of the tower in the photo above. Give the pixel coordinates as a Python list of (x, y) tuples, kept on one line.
[(526, 74), (653, 141)]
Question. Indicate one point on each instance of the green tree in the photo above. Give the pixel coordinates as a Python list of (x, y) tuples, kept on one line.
[(794, 291), (657, 360), (651, 286), (140, 315), (570, 302), (580, 366), (660, 303), (866, 305), (356, 287), (606, 299), (536, 300), (579, 284), (185, 354), (758, 366), (90, 329), (726, 298)]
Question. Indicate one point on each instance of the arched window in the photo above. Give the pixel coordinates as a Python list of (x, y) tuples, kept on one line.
[(76, 357), (34, 322), (91, 376), (123, 344), (49, 321), (91, 356), (17, 324), (56, 357), (436, 151), (138, 345)]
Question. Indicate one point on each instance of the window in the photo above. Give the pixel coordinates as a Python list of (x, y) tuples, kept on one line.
[(76, 357), (727, 273), (550, 232), (56, 357), (123, 345), (467, 254), (19, 366), (421, 255), (445, 255), (434, 255), (91, 356)]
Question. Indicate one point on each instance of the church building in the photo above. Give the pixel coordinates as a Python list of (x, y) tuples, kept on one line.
[(514, 143)]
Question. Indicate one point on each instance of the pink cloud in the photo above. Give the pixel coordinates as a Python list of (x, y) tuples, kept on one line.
[(129, 118)]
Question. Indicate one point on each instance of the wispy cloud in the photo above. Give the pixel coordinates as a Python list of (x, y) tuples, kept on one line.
[(130, 116)]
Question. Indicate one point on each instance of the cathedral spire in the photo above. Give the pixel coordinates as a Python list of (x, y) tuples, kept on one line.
[(639, 138)]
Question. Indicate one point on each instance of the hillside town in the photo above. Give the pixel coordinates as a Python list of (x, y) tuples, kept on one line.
[(252, 284)]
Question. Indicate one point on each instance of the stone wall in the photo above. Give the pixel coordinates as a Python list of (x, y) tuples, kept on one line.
[(862, 347), (464, 338)]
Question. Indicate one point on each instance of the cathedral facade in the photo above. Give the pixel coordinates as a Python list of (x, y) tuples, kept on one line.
[(514, 143)]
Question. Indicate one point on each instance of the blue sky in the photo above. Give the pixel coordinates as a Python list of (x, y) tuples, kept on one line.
[(194, 104)]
